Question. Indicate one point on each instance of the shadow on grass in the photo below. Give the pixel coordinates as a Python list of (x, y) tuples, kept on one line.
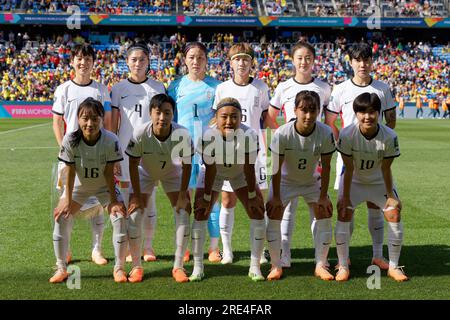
[(426, 261)]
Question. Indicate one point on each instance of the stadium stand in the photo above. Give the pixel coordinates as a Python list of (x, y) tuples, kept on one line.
[(409, 67)]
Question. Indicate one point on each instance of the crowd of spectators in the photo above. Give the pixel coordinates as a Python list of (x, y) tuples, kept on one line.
[(416, 8), (30, 70), (218, 7), (90, 6)]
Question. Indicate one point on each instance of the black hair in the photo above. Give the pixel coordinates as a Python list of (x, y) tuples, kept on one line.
[(367, 102), (307, 99), (92, 106), (195, 44), (229, 102), (86, 50), (138, 46), (158, 100), (360, 51), (303, 44)]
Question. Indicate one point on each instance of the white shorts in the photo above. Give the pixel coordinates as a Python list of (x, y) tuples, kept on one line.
[(339, 171), (170, 183), (84, 197), (359, 193), (124, 169), (260, 173), (290, 191), (91, 202), (235, 183)]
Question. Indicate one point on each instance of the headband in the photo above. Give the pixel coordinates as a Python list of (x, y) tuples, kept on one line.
[(228, 103), (242, 54)]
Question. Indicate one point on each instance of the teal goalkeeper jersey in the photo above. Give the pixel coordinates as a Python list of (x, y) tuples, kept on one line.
[(194, 104)]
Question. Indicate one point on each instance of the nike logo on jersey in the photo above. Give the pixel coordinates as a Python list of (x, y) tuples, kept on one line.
[(123, 97), (347, 102), (72, 100)]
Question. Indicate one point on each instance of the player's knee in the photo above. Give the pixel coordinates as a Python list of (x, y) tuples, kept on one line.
[(392, 216)]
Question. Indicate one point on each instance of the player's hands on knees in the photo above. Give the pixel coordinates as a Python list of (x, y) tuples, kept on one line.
[(183, 202), (256, 206), (275, 209), (63, 209), (393, 203), (117, 169), (117, 207), (136, 202), (325, 207), (345, 208)]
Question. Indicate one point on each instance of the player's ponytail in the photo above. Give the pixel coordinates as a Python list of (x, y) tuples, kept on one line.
[(89, 106)]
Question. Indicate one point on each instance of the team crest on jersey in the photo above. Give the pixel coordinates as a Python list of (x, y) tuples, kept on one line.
[(209, 94), (131, 144), (116, 146), (63, 149), (256, 102)]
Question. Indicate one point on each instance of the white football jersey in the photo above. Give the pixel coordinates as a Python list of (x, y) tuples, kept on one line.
[(302, 153), (69, 95), (254, 99), (133, 101), (343, 94), (90, 161), (367, 154), (160, 158), (285, 93), (229, 155)]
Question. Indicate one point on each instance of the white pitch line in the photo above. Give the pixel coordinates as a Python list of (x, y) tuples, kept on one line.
[(26, 148), (25, 128)]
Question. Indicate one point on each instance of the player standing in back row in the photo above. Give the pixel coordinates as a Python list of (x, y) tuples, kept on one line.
[(194, 98), (303, 55), (130, 108), (341, 103), (253, 96)]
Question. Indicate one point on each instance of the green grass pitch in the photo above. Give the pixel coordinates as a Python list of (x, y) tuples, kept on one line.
[(26, 252)]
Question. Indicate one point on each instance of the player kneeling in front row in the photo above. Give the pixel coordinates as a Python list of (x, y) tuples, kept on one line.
[(368, 149), (160, 150), (89, 153), (230, 149), (297, 147)]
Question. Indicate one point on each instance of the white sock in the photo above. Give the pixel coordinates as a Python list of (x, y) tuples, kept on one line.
[(395, 238), (135, 236), (120, 240), (313, 221), (273, 234), (287, 227), (257, 237), (182, 232), (226, 222), (213, 243), (61, 240), (149, 222), (322, 240), (98, 226), (198, 243), (342, 236), (375, 222)]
